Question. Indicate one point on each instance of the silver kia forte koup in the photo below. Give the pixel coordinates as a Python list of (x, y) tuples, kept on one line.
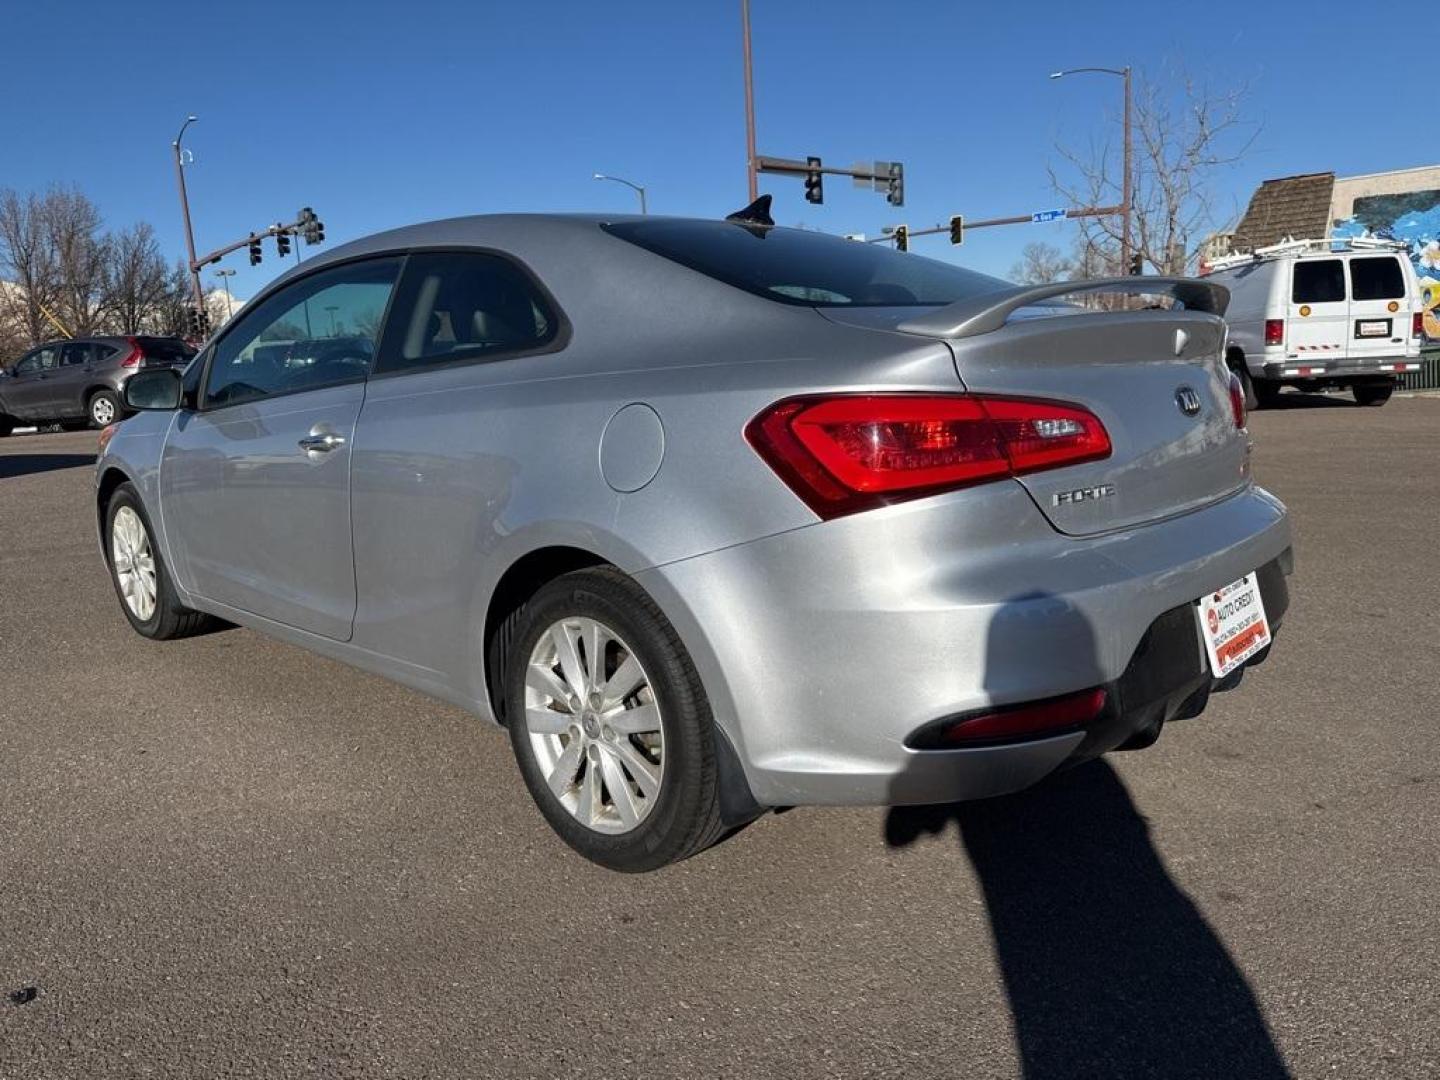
[(715, 516)]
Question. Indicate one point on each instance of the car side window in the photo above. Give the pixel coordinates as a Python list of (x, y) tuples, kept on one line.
[(320, 331), (75, 354), (453, 306), (39, 360)]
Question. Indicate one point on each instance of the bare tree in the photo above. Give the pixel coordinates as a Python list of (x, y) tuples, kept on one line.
[(135, 280), (80, 254), (26, 265), (1041, 264), (1184, 138)]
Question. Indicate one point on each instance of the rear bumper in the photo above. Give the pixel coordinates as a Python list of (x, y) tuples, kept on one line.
[(824, 648), (1321, 368)]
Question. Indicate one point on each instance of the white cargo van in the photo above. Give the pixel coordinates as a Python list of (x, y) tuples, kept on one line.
[(1322, 313)]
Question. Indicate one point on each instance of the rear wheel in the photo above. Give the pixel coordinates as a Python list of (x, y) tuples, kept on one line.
[(1247, 384), (103, 408), (141, 578), (7, 425), (1267, 393), (610, 725), (1372, 393)]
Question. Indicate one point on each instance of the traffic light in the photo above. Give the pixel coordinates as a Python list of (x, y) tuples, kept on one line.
[(814, 181), (282, 244), (311, 227), (902, 237), (895, 190), (255, 254), (1137, 265), (957, 229)]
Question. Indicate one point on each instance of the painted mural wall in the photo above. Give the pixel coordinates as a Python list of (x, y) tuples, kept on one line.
[(1413, 217)]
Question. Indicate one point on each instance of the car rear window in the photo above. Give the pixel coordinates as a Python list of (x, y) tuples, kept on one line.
[(1318, 281), (166, 350), (1377, 278), (793, 266)]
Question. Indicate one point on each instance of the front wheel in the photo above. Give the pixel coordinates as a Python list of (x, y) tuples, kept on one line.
[(1372, 393), (610, 725), (141, 578), (103, 408)]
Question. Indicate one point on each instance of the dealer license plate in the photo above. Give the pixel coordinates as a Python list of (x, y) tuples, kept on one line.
[(1233, 624), (1372, 328)]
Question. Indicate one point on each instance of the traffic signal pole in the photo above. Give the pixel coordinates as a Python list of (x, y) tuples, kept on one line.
[(751, 166), (1017, 219)]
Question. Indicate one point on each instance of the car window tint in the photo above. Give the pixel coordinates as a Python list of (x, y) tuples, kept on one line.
[(464, 305), (320, 331), (40, 360), (76, 353), (166, 350), (1318, 281), (1376, 278), (795, 266)]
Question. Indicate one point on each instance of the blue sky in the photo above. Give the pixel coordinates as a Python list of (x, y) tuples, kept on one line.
[(378, 114)]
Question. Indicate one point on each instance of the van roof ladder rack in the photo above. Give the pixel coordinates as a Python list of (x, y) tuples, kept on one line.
[(1322, 245)]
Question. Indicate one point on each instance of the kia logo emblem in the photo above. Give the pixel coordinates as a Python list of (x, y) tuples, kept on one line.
[(1188, 400)]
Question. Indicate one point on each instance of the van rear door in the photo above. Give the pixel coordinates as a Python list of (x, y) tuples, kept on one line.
[(1379, 307), (1317, 317)]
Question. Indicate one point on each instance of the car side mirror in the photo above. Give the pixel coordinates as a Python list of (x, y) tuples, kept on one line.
[(154, 389)]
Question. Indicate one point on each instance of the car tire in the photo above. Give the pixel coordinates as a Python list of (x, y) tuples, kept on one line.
[(1247, 385), (7, 425), (132, 556), (103, 408), (1267, 393), (622, 795), (1372, 393)]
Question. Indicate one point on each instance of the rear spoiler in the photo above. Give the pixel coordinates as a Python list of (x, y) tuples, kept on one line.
[(989, 311)]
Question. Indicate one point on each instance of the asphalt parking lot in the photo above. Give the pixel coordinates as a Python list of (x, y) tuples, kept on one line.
[(227, 857)]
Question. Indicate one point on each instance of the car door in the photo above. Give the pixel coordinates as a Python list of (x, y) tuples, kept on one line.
[(27, 391), (72, 378), (255, 481), (1379, 307), (1319, 313)]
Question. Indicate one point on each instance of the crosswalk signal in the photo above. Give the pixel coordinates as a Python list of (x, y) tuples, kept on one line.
[(957, 229), (895, 189), (282, 244), (255, 253), (902, 237), (814, 181)]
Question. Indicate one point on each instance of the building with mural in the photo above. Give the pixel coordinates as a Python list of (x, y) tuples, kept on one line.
[(1400, 205)]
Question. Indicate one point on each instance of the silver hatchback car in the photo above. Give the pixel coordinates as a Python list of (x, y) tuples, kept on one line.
[(714, 516)]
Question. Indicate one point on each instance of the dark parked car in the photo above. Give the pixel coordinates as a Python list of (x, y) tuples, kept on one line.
[(79, 381)]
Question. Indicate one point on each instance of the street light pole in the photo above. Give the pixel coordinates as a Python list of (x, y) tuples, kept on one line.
[(749, 104), (639, 189), (225, 276), (1127, 195), (197, 293)]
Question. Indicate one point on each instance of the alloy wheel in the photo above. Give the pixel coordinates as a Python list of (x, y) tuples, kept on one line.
[(134, 562), (102, 410), (594, 725)]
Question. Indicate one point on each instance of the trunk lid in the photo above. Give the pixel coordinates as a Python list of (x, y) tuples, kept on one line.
[(1132, 369)]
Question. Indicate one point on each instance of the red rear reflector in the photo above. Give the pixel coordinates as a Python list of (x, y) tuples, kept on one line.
[(1274, 331), (1033, 718), (135, 355), (1237, 400), (856, 451), (1417, 324)]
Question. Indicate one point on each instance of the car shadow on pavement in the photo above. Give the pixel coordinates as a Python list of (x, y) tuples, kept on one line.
[(1110, 968), (1303, 400), (27, 464)]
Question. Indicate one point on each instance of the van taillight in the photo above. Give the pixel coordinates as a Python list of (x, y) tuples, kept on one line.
[(136, 354), (1274, 331), (850, 452), (1417, 324)]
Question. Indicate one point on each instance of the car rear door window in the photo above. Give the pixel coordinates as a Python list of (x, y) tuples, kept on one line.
[(77, 354), (1376, 278), (319, 331), (457, 306), (1318, 281)]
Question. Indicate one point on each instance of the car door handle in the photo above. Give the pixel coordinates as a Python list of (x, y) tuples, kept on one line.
[(321, 444)]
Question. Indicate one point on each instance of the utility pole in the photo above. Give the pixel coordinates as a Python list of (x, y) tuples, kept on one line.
[(196, 292), (225, 276), (1127, 191), (750, 165)]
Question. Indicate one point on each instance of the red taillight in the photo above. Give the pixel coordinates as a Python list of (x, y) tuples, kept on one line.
[(1417, 324), (1274, 331), (1237, 400), (855, 451), (135, 355), (1017, 721)]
